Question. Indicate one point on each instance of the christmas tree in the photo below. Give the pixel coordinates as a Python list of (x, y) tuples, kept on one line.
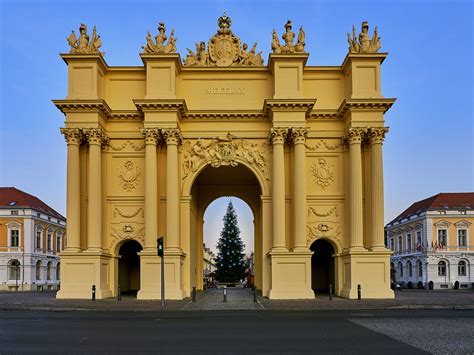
[(230, 261)]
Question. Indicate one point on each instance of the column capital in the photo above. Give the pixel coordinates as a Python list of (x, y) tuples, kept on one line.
[(95, 136), (278, 135), (172, 136), (298, 135), (72, 135), (354, 135), (376, 135), (151, 135)]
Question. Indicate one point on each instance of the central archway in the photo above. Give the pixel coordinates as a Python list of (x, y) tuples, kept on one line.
[(210, 184), (129, 267)]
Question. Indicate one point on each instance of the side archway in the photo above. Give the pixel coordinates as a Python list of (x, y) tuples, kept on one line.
[(323, 266), (129, 266)]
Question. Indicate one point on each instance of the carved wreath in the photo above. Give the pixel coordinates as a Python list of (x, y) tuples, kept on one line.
[(128, 173)]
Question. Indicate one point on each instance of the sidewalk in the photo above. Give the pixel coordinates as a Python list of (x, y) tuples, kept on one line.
[(240, 299)]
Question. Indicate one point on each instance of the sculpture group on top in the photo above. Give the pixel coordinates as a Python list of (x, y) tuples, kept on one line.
[(159, 46), (288, 37), (83, 44), (223, 50), (365, 43)]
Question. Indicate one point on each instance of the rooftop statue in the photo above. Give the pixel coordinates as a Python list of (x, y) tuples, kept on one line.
[(365, 44), (82, 45), (160, 47), (223, 50), (288, 37)]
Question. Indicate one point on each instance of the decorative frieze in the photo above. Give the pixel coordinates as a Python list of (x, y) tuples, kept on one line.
[(128, 143)]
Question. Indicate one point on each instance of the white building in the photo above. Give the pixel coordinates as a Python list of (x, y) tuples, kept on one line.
[(31, 236), (432, 243)]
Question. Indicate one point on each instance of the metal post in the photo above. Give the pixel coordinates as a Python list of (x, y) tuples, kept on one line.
[(194, 294), (163, 281), (254, 294), (358, 292), (93, 292), (330, 292), (225, 293), (119, 293)]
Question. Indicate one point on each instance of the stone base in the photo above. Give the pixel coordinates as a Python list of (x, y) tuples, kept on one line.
[(290, 275), (150, 276), (370, 270), (81, 270)]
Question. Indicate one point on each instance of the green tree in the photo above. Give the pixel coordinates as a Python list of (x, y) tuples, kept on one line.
[(230, 261)]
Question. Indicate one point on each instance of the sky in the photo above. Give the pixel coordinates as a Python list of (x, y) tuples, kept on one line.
[(428, 150)]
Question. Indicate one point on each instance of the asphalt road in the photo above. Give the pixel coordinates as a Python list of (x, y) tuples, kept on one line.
[(231, 332)]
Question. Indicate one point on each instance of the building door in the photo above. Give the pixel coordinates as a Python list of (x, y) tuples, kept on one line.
[(129, 267), (322, 266)]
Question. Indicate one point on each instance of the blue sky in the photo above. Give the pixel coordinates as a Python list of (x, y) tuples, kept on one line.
[(429, 70)]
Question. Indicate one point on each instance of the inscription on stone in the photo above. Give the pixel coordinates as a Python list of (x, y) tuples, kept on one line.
[(224, 91)]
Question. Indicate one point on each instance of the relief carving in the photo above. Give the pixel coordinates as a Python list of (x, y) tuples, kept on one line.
[(323, 173), (328, 230), (135, 147), (127, 231), (128, 215), (128, 174), (323, 143), (222, 152), (312, 211)]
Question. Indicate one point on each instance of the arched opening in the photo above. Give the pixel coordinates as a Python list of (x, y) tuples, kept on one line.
[(129, 267), (322, 266), (39, 265), (49, 268), (13, 270), (211, 184), (58, 271)]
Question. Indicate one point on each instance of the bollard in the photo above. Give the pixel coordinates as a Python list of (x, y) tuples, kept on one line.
[(225, 293), (254, 294), (119, 293), (194, 294), (358, 293), (330, 292), (93, 292)]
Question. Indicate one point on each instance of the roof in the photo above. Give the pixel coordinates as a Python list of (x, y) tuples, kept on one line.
[(11, 197), (443, 200)]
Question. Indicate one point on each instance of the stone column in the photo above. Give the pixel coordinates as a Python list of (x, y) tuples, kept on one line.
[(95, 138), (278, 136), (173, 138), (73, 138), (354, 136), (376, 136), (151, 187), (299, 192)]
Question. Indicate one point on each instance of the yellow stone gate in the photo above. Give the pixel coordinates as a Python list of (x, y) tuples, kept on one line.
[(150, 147)]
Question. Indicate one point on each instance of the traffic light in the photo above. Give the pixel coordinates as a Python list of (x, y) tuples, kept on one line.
[(160, 246)]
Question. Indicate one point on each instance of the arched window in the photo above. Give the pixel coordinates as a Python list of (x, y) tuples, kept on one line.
[(58, 273), (58, 243), (400, 269), (442, 268), (39, 237), (14, 270), (410, 269), (49, 268), (38, 269), (420, 268), (462, 268), (49, 240)]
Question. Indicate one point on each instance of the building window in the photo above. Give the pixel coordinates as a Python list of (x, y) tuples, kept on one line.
[(400, 269), (400, 243), (49, 240), (420, 268), (38, 270), (462, 268), (462, 237), (14, 213), (14, 238), (410, 269), (58, 243), (442, 237), (58, 273), (48, 270), (409, 242), (14, 270), (39, 237), (418, 240), (442, 268), (392, 244)]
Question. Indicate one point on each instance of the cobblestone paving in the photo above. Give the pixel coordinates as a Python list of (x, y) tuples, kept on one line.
[(241, 299)]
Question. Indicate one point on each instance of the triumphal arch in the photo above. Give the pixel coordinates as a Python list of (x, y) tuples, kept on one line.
[(150, 147)]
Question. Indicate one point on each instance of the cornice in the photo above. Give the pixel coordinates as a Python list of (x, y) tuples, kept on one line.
[(382, 104), (84, 57), (324, 115), (97, 106), (363, 56), (295, 105), (128, 115), (150, 105), (218, 115)]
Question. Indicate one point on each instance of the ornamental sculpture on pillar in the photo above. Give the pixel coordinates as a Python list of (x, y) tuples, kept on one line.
[(298, 135), (224, 50), (355, 135), (96, 136), (159, 46), (288, 36), (172, 136), (83, 44), (364, 44), (376, 135), (151, 135), (278, 135), (72, 135)]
